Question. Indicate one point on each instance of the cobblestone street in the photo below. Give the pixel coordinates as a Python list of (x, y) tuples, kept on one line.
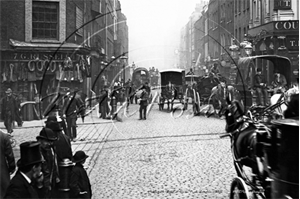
[(160, 157), (164, 157)]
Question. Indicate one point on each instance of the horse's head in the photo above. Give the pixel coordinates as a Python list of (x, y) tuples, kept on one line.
[(292, 106), (233, 115)]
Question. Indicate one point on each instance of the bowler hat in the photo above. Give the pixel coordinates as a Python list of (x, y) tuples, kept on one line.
[(8, 90), (47, 134), (79, 156), (30, 154)]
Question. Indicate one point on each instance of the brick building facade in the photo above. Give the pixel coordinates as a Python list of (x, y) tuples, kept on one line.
[(71, 39)]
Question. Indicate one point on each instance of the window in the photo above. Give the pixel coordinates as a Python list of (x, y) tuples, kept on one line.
[(79, 21), (44, 20)]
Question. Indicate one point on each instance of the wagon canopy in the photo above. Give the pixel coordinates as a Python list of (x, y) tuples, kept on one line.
[(247, 66), (175, 76)]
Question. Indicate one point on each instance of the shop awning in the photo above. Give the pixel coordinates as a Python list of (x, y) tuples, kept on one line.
[(20, 45)]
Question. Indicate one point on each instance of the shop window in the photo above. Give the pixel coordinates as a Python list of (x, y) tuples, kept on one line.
[(45, 20)]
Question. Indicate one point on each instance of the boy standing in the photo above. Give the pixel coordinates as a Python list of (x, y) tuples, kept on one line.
[(79, 183)]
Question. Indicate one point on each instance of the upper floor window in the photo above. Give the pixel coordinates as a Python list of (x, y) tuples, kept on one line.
[(79, 21), (45, 20)]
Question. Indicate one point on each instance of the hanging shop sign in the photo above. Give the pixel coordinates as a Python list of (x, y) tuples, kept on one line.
[(282, 4)]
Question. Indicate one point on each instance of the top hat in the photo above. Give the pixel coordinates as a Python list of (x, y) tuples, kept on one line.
[(79, 156), (8, 90), (53, 123), (47, 134), (30, 154)]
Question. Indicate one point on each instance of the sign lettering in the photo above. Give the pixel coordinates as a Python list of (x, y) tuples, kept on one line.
[(41, 56), (286, 25), (282, 4), (292, 43)]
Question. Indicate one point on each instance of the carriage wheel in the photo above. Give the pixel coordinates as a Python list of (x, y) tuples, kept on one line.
[(239, 189)]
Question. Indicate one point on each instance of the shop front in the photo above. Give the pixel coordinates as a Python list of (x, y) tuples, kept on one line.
[(36, 71), (278, 38)]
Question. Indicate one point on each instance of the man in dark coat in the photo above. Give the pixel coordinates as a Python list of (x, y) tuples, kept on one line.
[(62, 146), (8, 109), (103, 103), (143, 104), (73, 105), (261, 88), (79, 183), (7, 162), (49, 166), (29, 173)]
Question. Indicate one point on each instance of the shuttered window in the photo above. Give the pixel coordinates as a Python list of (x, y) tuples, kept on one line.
[(79, 21)]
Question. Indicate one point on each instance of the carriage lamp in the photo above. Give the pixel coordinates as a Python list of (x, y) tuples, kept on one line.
[(248, 49)]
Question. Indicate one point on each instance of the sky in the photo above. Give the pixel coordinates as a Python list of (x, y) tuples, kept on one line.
[(154, 30)]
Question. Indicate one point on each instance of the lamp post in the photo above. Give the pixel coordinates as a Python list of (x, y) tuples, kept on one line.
[(124, 58)]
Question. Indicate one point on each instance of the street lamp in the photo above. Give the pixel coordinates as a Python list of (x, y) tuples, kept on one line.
[(124, 58)]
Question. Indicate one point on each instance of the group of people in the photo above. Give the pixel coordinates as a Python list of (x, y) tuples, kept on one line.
[(278, 85), (108, 98), (39, 173), (11, 110)]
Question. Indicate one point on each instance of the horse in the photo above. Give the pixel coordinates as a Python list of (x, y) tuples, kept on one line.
[(244, 133), (170, 95), (205, 84), (218, 96)]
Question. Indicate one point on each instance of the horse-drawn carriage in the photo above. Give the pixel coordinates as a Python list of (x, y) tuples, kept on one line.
[(265, 156), (270, 64), (140, 76), (172, 86), (265, 152)]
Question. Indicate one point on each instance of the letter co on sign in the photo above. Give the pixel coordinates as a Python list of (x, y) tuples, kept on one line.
[(286, 25)]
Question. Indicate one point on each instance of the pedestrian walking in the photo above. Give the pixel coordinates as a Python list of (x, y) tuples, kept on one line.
[(8, 109), (73, 105), (7, 162), (143, 102), (29, 175), (103, 103), (80, 184), (49, 166)]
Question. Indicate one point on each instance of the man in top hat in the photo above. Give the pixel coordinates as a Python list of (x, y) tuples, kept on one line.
[(261, 88), (62, 145), (49, 166), (7, 162), (9, 106), (23, 183), (79, 183)]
